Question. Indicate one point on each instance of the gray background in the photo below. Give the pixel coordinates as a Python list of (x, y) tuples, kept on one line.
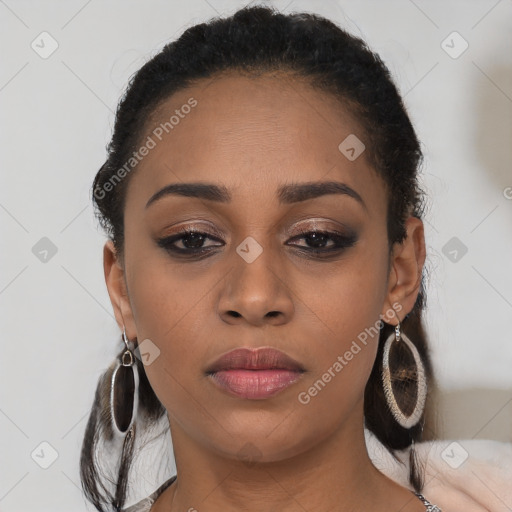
[(58, 329)]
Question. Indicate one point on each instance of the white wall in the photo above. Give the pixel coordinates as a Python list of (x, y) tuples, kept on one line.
[(58, 330)]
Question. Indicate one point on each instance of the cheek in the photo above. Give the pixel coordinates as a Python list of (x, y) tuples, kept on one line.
[(172, 307), (345, 328), (347, 298)]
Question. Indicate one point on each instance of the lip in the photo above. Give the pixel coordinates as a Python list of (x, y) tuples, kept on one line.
[(263, 358), (254, 373)]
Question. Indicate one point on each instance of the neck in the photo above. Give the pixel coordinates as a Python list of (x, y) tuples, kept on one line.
[(334, 474)]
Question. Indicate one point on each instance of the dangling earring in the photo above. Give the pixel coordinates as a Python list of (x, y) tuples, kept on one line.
[(124, 391), (415, 416)]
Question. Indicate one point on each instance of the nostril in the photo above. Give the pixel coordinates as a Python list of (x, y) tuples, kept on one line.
[(273, 313)]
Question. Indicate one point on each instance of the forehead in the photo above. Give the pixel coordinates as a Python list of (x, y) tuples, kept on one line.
[(251, 134)]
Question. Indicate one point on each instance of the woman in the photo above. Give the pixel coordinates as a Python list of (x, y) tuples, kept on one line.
[(265, 265)]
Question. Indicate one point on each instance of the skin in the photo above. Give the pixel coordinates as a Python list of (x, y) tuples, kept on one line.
[(253, 135)]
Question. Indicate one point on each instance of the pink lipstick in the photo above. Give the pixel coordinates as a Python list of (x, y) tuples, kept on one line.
[(254, 373)]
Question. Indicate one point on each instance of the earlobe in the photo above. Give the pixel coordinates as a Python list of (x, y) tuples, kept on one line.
[(407, 260), (116, 286)]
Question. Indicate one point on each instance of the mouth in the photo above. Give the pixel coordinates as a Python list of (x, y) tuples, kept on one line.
[(254, 374)]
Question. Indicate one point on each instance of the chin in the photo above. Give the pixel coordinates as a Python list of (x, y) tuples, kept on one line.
[(261, 441)]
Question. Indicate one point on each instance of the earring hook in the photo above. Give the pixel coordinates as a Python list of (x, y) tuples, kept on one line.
[(127, 357), (397, 326)]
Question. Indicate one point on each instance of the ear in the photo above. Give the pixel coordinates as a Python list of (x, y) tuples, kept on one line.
[(404, 278), (117, 291)]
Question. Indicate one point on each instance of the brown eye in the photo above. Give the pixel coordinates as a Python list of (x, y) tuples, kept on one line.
[(317, 242), (192, 242), (325, 241)]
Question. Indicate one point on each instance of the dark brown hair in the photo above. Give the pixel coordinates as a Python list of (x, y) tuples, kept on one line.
[(255, 41)]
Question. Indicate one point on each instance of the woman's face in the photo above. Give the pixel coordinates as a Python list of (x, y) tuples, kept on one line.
[(254, 279)]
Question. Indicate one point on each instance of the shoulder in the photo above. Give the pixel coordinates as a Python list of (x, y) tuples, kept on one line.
[(474, 473), (470, 475), (145, 504)]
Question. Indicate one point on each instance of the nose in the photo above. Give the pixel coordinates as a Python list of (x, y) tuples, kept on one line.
[(256, 293)]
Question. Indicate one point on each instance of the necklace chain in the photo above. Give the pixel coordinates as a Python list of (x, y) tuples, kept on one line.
[(430, 507)]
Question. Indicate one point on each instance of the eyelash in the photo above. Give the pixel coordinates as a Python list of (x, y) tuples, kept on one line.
[(342, 242)]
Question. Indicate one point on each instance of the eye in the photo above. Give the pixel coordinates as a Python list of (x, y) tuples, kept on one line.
[(192, 242), (325, 241)]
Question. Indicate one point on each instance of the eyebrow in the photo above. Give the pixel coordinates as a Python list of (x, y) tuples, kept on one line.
[(287, 194)]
